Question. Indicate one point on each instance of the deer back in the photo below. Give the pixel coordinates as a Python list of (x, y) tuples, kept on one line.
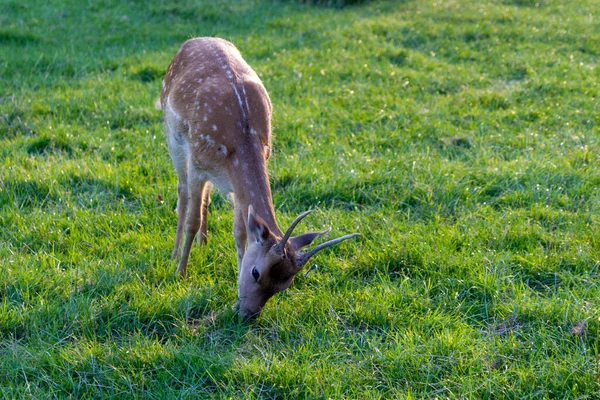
[(215, 97)]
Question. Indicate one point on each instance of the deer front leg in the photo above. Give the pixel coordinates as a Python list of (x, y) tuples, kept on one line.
[(239, 232), (202, 237), (195, 189), (182, 203), (179, 158)]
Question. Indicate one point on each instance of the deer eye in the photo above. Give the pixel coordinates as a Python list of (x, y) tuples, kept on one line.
[(255, 274)]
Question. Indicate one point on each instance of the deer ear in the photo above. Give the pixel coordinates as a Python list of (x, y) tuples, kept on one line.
[(257, 227), (304, 240)]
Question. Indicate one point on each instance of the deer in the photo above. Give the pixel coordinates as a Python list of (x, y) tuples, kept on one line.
[(217, 116)]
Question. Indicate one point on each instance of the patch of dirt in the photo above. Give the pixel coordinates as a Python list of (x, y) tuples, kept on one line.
[(510, 324), (579, 328)]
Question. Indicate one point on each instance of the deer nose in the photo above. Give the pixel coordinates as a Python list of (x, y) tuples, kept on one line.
[(246, 313), (249, 317)]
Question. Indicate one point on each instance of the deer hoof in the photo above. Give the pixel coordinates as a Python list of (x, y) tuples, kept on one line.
[(201, 240), (181, 273)]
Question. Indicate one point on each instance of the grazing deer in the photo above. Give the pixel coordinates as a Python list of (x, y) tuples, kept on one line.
[(218, 122)]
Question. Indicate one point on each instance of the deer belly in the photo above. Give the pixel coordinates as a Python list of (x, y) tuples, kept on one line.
[(219, 179), (222, 182), (207, 159)]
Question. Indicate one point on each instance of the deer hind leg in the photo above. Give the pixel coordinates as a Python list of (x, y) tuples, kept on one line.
[(179, 156), (196, 188), (202, 237), (239, 232)]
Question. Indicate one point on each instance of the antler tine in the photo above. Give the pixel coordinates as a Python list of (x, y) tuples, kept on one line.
[(289, 231), (306, 256)]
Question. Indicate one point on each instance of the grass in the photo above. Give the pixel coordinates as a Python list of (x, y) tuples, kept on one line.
[(460, 138)]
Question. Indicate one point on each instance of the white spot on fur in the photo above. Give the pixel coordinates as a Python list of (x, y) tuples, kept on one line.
[(237, 94), (253, 131), (236, 162), (223, 149), (214, 128), (245, 98), (209, 141)]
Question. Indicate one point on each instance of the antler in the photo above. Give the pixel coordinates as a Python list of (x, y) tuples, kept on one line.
[(281, 245), (306, 256)]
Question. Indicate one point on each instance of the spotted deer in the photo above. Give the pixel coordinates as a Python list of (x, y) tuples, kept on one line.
[(218, 121)]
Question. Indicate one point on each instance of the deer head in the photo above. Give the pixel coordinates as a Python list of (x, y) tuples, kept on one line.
[(270, 263)]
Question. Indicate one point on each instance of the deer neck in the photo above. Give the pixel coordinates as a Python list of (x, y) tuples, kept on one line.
[(250, 182)]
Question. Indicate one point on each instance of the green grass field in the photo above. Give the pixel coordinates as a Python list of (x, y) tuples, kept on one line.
[(461, 138)]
